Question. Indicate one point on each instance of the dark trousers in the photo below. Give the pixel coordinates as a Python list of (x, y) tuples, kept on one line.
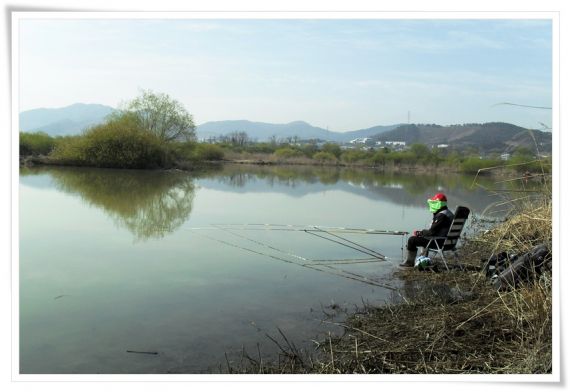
[(414, 242)]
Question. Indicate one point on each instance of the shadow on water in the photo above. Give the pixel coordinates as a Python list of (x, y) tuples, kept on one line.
[(150, 204)]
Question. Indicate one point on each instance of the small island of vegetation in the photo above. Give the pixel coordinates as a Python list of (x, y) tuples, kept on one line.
[(152, 131)]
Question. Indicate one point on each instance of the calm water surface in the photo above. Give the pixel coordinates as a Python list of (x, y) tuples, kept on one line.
[(114, 260)]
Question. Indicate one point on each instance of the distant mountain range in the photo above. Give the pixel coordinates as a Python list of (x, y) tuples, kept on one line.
[(264, 131), (69, 120), (488, 137), (73, 119)]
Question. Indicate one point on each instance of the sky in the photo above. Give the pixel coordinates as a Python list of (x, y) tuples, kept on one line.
[(339, 74)]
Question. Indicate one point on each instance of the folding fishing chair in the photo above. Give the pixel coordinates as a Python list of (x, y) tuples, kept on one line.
[(450, 240)]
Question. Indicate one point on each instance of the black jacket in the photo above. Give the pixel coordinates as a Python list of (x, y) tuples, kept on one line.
[(440, 224)]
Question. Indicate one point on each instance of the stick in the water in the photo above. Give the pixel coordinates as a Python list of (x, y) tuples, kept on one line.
[(143, 352)]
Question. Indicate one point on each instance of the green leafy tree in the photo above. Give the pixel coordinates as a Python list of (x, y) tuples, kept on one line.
[(420, 150), (309, 149), (209, 152), (523, 152), (380, 158), (117, 143), (324, 156), (353, 156), (332, 148), (287, 152), (162, 116)]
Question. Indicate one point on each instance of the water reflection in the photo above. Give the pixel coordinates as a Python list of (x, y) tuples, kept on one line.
[(150, 204), (403, 189), (200, 300)]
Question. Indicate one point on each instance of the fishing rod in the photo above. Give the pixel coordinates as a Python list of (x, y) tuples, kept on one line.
[(343, 244), (375, 253), (372, 253), (349, 262), (287, 227), (355, 277), (232, 227), (264, 244), (315, 229), (352, 260), (312, 262)]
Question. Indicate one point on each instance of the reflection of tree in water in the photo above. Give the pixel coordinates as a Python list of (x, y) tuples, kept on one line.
[(402, 188), (150, 204), (292, 176)]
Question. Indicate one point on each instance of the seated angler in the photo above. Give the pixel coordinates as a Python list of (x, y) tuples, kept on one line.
[(442, 219)]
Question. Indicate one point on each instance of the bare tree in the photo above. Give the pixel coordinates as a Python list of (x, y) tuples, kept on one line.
[(162, 116), (238, 138)]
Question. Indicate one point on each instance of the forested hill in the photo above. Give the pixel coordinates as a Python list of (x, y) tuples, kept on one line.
[(496, 136)]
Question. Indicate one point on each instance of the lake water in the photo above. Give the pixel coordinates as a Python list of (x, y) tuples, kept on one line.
[(113, 261)]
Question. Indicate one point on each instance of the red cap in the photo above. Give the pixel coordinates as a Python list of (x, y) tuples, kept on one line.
[(439, 196)]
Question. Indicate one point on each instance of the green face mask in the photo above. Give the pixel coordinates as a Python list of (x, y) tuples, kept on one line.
[(435, 205)]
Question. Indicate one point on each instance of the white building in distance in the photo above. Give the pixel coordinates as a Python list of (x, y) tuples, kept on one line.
[(360, 140)]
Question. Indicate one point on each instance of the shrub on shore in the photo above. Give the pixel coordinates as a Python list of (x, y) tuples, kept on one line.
[(473, 164), (208, 152), (37, 143), (117, 143), (323, 156), (287, 152), (353, 156)]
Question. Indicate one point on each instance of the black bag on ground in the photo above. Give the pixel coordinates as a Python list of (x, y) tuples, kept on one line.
[(497, 263), (522, 268)]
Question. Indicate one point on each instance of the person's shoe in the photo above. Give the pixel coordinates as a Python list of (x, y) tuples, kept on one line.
[(410, 259)]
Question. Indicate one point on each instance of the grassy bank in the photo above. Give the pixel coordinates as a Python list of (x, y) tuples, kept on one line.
[(120, 142), (417, 158), (116, 144), (446, 323)]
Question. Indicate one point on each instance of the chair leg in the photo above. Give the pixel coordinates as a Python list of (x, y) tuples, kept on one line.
[(438, 251), (444, 261)]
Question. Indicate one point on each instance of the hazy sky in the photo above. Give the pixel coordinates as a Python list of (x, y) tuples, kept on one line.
[(340, 74)]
